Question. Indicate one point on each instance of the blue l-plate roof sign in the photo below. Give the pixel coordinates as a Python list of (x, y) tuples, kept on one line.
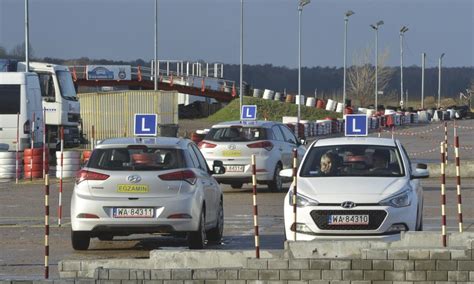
[(249, 112), (145, 124), (356, 125)]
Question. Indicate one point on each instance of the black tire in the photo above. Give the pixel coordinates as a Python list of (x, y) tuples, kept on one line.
[(106, 237), (80, 240), (276, 185), (419, 225), (214, 235), (237, 185), (197, 239)]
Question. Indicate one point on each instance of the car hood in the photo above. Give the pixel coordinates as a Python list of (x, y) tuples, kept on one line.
[(356, 189)]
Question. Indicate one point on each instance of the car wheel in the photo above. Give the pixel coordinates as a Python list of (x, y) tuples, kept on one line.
[(106, 237), (80, 240), (214, 235), (276, 184), (237, 185), (419, 219), (197, 239)]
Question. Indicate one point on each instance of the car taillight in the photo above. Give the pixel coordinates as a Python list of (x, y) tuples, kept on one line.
[(206, 145), (186, 175), (83, 175), (26, 127), (267, 145)]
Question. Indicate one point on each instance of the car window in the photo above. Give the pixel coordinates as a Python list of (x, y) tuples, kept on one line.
[(193, 156), (408, 158), (289, 136), (237, 134), (353, 160), (200, 158), (277, 133), (136, 159)]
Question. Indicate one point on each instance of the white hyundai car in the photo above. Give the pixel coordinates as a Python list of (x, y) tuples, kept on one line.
[(235, 142), (147, 185), (353, 188)]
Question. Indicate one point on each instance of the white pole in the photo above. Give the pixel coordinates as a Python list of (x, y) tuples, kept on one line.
[(27, 38), (376, 67), (157, 65), (423, 57), (298, 101), (346, 20), (439, 80), (401, 69), (241, 85)]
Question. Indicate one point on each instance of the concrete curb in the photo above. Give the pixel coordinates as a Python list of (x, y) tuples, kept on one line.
[(467, 169)]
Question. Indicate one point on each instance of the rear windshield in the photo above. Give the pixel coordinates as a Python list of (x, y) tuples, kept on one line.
[(353, 160), (145, 159), (237, 134)]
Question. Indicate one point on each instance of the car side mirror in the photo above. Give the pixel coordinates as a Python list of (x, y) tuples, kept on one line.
[(303, 141), (420, 173), (286, 173), (422, 166), (218, 167)]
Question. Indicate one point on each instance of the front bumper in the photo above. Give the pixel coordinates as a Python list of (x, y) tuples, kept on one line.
[(160, 223), (308, 228)]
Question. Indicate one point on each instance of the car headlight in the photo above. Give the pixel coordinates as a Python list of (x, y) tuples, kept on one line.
[(301, 200), (400, 200)]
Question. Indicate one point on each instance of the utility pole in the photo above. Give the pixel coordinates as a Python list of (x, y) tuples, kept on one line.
[(241, 93), (346, 20), (402, 32), (439, 79), (156, 64), (27, 38), (376, 28), (423, 57)]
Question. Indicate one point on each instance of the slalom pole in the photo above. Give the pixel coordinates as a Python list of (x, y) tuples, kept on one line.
[(60, 207), (446, 141), (458, 178), (46, 226), (295, 188), (45, 163), (32, 145), (255, 208), (93, 138), (443, 194), (17, 162)]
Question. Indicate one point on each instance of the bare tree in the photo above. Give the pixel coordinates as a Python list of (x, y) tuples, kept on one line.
[(19, 51), (3, 52), (361, 76)]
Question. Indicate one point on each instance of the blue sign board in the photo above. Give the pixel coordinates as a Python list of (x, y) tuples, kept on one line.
[(356, 125), (249, 112), (145, 124)]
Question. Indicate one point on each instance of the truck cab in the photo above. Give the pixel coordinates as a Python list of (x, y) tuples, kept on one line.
[(59, 101)]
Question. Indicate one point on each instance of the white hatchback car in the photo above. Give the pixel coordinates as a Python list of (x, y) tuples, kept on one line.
[(147, 185), (235, 142), (355, 187)]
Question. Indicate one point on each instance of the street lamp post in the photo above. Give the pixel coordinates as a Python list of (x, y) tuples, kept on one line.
[(301, 4), (439, 79), (376, 28), (346, 20), (402, 32), (156, 64), (241, 93), (27, 38), (423, 57)]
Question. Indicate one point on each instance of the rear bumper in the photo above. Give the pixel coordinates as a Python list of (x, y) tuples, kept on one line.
[(160, 223), (265, 166)]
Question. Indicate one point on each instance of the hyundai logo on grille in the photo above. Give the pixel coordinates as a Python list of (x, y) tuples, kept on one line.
[(134, 178), (231, 147), (348, 204)]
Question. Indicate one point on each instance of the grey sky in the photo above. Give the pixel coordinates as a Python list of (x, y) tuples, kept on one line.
[(209, 29)]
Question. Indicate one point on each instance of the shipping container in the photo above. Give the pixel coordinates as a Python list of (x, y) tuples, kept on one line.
[(112, 114)]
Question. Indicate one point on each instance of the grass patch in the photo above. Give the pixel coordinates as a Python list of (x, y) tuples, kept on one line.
[(271, 110)]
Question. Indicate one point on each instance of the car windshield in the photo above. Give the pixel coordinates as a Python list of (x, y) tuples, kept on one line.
[(353, 160), (237, 134), (66, 85), (136, 159)]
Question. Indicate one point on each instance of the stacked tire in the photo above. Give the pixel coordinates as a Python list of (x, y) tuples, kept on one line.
[(71, 163), (8, 165), (33, 163)]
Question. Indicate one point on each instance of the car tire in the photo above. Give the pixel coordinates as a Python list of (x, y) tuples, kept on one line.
[(419, 225), (237, 185), (197, 239), (214, 235), (106, 237), (276, 184), (80, 240)]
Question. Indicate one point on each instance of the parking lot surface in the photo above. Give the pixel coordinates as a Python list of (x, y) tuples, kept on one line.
[(22, 226)]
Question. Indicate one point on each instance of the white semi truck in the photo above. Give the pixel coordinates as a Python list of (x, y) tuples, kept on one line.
[(59, 100)]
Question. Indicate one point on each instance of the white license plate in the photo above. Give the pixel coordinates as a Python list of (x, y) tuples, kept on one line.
[(234, 168), (348, 220), (133, 212)]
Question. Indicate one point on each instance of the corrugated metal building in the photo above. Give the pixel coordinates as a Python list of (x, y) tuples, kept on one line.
[(112, 113)]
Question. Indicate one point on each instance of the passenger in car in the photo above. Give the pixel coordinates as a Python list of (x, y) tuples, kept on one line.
[(329, 164), (380, 160)]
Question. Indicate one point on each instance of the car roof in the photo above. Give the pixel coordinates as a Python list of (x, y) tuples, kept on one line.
[(148, 141), (355, 141), (256, 123)]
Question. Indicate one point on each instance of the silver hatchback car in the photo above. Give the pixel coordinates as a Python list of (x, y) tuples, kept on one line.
[(147, 185), (235, 142)]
